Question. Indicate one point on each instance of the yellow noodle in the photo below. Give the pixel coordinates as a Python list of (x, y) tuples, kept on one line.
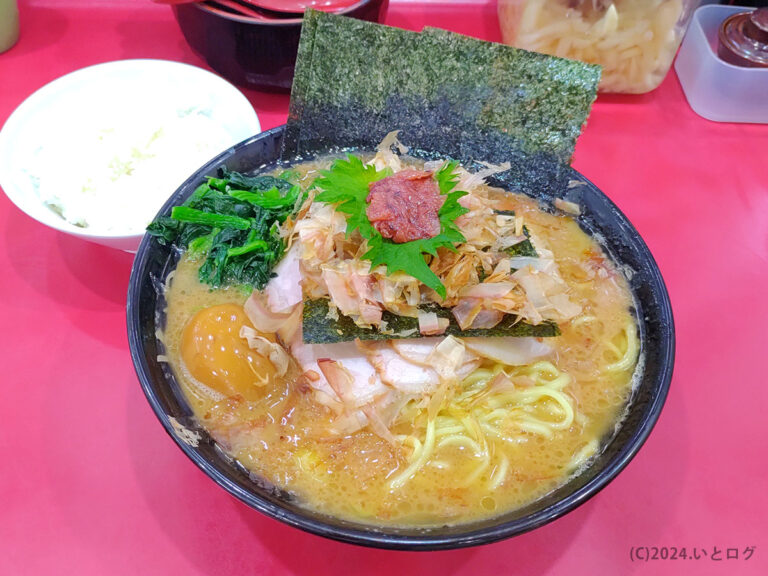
[(589, 450), (424, 454), (459, 440), (627, 361), (470, 425), (414, 442), (495, 414), (449, 431), (535, 427), (492, 430), (499, 473), (541, 369), (583, 320), (479, 375), (535, 394), (477, 472)]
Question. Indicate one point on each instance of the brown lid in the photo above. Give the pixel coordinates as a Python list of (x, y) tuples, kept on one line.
[(744, 39)]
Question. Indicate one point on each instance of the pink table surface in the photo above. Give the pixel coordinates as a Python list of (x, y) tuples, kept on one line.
[(91, 484)]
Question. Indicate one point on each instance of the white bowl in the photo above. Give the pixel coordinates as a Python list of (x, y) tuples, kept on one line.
[(127, 92)]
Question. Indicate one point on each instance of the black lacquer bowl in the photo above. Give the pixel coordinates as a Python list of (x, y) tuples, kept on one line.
[(254, 52), (599, 215)]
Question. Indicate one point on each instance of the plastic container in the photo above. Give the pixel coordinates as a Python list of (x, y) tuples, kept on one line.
[(714, 88), (634, 41)]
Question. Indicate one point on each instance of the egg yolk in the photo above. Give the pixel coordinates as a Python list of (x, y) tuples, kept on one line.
[(215, 354)]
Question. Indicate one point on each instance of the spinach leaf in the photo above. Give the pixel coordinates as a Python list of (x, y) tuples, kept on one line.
[(232, 222)]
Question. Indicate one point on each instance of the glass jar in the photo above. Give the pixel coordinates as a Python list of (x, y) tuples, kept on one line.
[(634, 41), (9, 24)]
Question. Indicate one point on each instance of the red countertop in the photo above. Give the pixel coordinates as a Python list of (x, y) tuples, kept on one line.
[(90, 484)]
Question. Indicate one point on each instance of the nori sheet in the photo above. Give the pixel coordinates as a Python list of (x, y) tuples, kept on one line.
[(319, 329), (301, 76), (458, 96)]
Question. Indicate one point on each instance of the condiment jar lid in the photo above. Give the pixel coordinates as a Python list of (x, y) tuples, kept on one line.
[(744, 39)]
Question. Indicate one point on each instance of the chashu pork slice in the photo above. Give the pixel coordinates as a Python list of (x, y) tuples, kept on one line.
[(512, 351), (399, 373), (343, 379), (407, 365), (365, 385), (418, 350), (283, 291)]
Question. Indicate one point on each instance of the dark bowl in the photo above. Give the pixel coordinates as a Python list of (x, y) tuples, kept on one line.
[(253, 52), (599, 215)]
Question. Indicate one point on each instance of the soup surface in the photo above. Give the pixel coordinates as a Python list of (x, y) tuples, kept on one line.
[(435, 442)]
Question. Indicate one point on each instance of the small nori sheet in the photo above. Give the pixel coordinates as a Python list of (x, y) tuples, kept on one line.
[(319, 329), (448, 94)]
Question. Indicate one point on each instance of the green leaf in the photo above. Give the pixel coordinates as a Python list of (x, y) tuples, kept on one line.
[(164, 229), (271, 199), (251, 246), (347, 184), (202, 244), (260, 182), (233, 223), (446, 176), (407, 257), (193, 216)]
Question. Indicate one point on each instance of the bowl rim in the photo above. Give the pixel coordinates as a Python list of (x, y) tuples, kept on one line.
[(277, 22), (28, 202), (374, 537)]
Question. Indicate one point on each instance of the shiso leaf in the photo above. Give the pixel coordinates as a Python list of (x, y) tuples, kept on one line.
[(320, 329), (347, 185)]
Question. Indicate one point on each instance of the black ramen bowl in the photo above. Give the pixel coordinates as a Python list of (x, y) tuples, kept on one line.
[(599, 216), (254, 52)]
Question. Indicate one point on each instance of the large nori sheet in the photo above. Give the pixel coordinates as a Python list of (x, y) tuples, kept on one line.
[(458, 96)]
